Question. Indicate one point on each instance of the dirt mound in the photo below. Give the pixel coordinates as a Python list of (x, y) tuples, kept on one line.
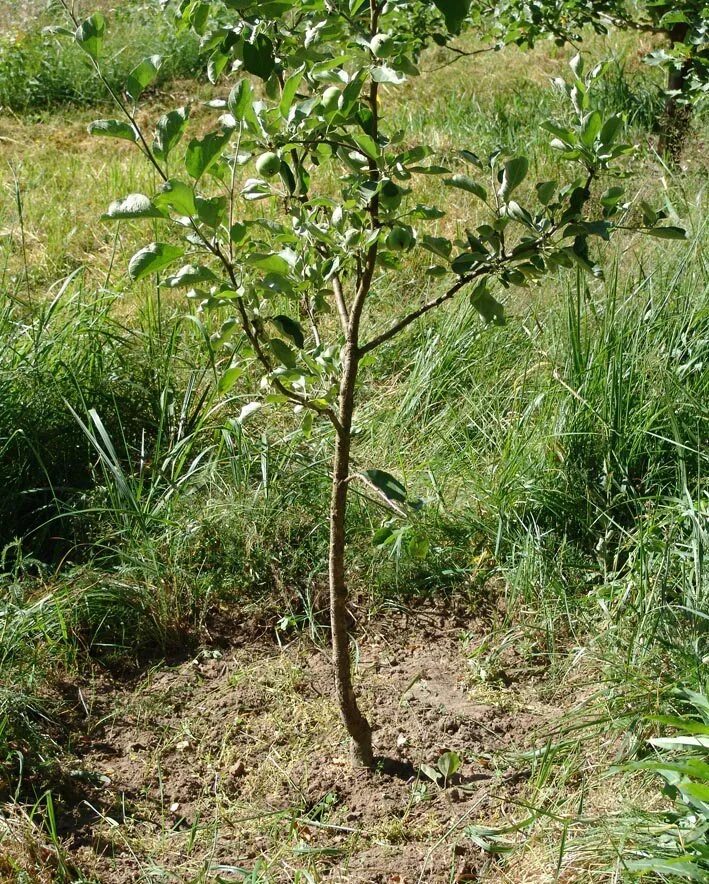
[(234, 764)]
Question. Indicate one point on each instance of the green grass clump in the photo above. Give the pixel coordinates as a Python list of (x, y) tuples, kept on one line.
[(68, 353), (37, 73)]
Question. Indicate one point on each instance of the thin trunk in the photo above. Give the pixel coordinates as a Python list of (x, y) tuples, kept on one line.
[(356, 724), (677, 115)]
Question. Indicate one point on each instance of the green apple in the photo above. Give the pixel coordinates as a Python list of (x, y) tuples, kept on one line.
[(330, 98), (268, 164), (400, 239), (382, 45)]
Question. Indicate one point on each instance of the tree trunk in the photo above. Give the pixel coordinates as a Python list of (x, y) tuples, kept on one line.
[(677, 116), (356, 724)]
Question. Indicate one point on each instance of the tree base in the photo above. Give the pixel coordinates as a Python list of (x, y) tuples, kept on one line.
[(361, 751)]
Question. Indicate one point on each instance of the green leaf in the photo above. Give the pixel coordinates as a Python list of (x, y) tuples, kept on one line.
[(418, 547), (472, 158), (367, 145), (169, 131), (229, 378), (202, 153), (142, 76), (464, 182), (650, 216), (153, 258), (384, 482), (576, 64), (545, 191), (564, 135), (681, 867), (259, 58), (579, 254), (196, 14), (211, 211), (190, 276), (58, 30), (612, 196), (695, 791), (454, 12), (248, 409), (439, 245), (667, 232), (449, 764), (89, 35), (609, 131), (216, 64), (488, 307), (674, 17), (113, 129), (465, 262), (135, 205), (682, 740), (290, 328), (290, 88), (382, 536), (178, 196), (518, 213), (238, 232), (690, 767), (384, 74), (270, 263), (226, 331), (427, 213), (241, 104), (430, 771), (590, 127), (283, 352), (256, 189), (514, 173)]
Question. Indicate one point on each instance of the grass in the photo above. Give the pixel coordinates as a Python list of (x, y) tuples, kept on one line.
[(37, 73), (562, 457)]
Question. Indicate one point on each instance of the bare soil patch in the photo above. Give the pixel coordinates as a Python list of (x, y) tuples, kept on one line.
[(234, 763)]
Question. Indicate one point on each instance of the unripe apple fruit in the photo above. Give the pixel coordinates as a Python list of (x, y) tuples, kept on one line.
[(382, 45), (400, 239), (330, 98), (268, 164)]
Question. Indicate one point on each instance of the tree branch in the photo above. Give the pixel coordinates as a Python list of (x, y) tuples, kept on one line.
[(416, 314), (340, 302), (253, 337), (143, 146), (370, 263), (458, 54)]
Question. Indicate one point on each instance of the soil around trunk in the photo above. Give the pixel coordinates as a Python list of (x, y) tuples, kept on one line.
[(235, 762)]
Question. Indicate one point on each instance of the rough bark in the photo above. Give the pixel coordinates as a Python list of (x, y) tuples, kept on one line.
[(357, 725)]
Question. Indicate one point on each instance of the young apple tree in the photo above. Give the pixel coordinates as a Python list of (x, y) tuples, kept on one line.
[(307, 130)]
